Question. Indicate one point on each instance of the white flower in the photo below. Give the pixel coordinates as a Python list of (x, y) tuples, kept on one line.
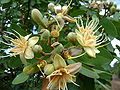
[(87, 38)]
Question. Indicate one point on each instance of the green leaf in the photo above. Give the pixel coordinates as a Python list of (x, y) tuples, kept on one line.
[(118, 58), (103, 74), (5, 1), (105, 53), (117, 25), (101, 58), (22, 77), (14, 62), (19, 29), (89, 73), (109, 27)]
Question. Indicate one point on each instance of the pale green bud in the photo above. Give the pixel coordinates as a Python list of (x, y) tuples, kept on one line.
[(55, 33), (60, 20), (37, 17), (45, 35), (65, 8), (71, 37), (58, 9), (48, 69), (51, 6), (37, 49), (30, 69), (58, 49), (111, 3), (113, 9)]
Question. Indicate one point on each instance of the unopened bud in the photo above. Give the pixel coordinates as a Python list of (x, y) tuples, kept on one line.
[(37, 49), (71, 37), (37, 17), (55, 33), (48, 69), (58, 9), (65, 8), (58, 49), (74, 68), (112, 9), (45, 35), (51, 6), (30, 69), (72, 52), (111, 3)]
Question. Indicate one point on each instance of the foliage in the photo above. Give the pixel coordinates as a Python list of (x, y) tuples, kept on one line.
[(53, 30)]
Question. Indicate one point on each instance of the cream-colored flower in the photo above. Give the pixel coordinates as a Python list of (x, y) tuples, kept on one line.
[(62, 74), (23, 46), (87, 38)]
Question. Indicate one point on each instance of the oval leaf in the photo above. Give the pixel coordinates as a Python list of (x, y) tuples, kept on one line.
[(22, 77), (109, 27), (89, 73)]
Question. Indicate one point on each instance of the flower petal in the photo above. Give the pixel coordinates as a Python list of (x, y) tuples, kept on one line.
[(22, 57), (74, 68), (90, 51), (27, 36), (59, 62), (29, 53), (32, 41)]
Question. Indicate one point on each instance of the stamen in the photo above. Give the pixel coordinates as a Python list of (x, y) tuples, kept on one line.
[(103, 45), (67, 7), (17, 33), (75, 83), (89, 24), (96, 30), (11, 33), (6, 36), (98, 36), (77, 56), (102, 38), (81, 21), (8, 56), (6, 43), (55, 20), (59, 85), (102, 41)]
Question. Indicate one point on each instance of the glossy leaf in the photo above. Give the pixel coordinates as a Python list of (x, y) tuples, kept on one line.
[(89, 73), (22, 77), (5, 1), (109, 27), (19, 29)]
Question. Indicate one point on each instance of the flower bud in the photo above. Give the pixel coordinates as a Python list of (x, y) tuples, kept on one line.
[(113, 9), (51, 6), (65, 8), (55, 33), (48, 69), (58, 9), (58, 49), (30, 69), (60, 20), (45, 35), (37, 17), (37, 49), (74, 68), (72, 52), (71, 37), (111, 3)]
